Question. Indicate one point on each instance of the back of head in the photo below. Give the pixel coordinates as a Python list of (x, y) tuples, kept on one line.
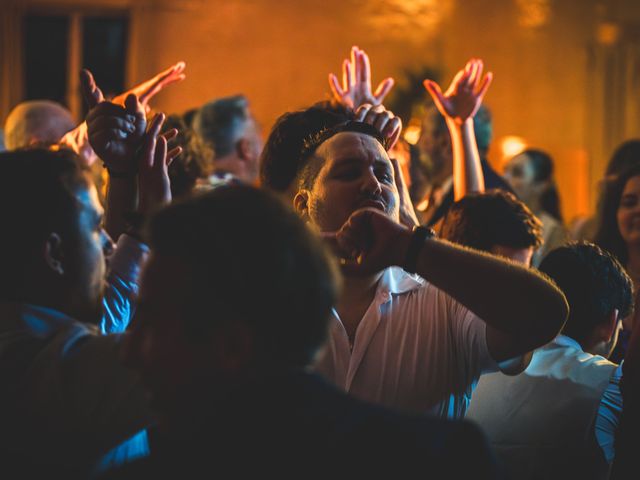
[(36, 123), (594, 283), (221, 123), (251, 259), (280, 162), (625, 156), (37, 196), (193, 163), (493, 218)]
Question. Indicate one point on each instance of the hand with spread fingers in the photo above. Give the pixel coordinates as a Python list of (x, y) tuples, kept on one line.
[(355, 89), (146, 90), (464, 96), (154, 159), (115, 132)]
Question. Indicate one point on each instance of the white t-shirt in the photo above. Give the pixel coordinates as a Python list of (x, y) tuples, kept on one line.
[(415, 349), (541, 422)]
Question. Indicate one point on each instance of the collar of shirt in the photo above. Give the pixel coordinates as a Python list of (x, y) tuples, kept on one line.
[(39, 321), (565, 341)]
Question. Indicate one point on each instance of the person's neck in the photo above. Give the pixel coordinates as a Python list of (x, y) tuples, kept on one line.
[(357, 295)]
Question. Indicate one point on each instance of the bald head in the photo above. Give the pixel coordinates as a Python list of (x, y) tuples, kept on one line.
[(40, 122)]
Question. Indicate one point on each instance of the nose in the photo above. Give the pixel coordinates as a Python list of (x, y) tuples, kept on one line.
[(371, 185), (107, 244)]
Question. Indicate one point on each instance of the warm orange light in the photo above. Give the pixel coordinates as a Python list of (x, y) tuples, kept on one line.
[(511, 146), (412, 131)]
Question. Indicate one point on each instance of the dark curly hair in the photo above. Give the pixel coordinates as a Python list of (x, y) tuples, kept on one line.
[(594, 282), (495, 217)]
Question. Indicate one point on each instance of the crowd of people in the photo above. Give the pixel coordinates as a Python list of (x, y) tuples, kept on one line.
[(183, 295)]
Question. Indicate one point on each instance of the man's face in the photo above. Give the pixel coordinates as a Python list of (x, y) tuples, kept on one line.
[(253, 133), (156, 346), (356, 174), (85, 265)]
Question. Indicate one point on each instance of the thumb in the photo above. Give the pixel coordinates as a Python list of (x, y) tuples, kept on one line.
[(90, 91), (436, 94)]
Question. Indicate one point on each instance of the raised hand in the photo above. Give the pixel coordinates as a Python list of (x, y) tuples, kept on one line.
[(383, 120), (355, 89), (464, 96), (146, 90), (115, 132), (369, 241), (154, 186)]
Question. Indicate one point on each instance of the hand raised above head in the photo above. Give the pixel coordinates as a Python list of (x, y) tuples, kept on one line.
[(464, 96), (383, 120), (356, 82), (146, 90), (115, 132)]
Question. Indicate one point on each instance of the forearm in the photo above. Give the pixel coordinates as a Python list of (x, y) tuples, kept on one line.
[(510, 298), (122, 197), (467, 171)]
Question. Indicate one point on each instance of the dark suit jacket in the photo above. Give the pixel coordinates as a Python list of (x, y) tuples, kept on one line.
[(299, 426)]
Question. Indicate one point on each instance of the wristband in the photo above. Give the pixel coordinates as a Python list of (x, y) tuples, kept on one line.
[(418, 237)]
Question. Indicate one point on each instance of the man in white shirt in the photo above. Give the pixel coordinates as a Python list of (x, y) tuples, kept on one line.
[(415, 342), (541, 422)]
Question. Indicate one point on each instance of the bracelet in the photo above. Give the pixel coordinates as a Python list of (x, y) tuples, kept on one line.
[(418, 237)]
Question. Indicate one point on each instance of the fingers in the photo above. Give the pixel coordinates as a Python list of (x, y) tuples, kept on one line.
[(364, 67), (488, 78), (392, 131), (383, 89), (110, 122), (160, 154), (436, 94), (90, 91), (355, 67), (170, 134), (334, 84), (147, 158), (173, 153), (108, 109), (152, 87), (348, 80)]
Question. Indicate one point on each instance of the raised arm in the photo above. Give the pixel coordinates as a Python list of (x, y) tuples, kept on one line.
[(355, 89), (78, 138), (458, 105), (523, 310)]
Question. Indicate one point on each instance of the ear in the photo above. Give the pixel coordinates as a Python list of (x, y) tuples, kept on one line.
[(606, 329), (53, 254), (301, 203)]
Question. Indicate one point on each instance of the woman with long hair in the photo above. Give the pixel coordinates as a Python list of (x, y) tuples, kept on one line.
[(618, 231)]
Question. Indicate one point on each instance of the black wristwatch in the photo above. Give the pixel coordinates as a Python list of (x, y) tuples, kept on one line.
[(418, 237)]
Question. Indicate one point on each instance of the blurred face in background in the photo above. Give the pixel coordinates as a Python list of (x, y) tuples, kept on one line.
[(628, 214)]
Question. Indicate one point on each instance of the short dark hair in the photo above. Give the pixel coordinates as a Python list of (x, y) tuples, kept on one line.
[(496, 217), (37, 196), (218, 123), (251, 259), (280, 161), (311, 164), (542, 165), (607, 232), (594, 283)]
